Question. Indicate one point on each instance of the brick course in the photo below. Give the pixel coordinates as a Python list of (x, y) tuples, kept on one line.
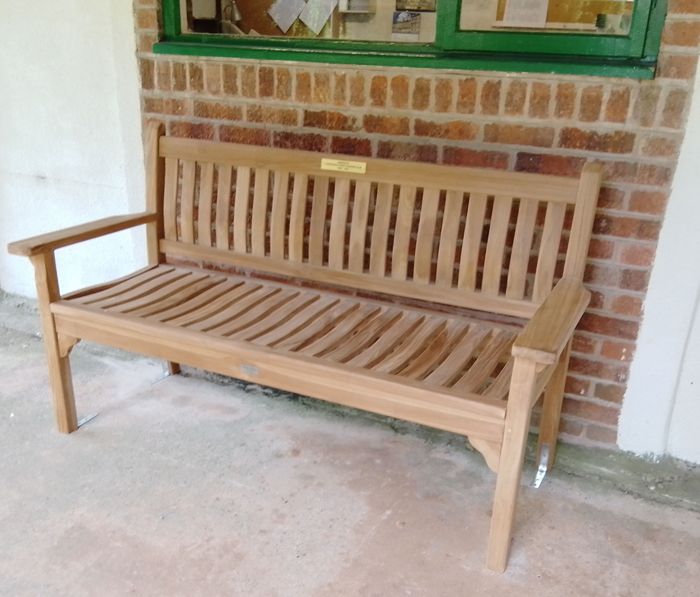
[(525, 122)]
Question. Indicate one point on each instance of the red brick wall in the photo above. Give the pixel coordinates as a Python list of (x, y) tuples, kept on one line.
[(550, 124)]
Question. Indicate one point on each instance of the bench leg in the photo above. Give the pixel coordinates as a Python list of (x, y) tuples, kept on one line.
[(510, 467), (59, 367), (173, 368), (551, 407)]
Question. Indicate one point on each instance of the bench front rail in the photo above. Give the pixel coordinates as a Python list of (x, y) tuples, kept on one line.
[(332, 242)]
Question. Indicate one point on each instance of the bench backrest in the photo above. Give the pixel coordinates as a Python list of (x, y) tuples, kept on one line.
[(481, 239)]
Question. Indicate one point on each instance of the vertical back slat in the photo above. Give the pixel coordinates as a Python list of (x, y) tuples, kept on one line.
[(495, 246), (260, 199), (549, 250), (339, 219), (581, 227), (522, 243), (318, 220), (278, 218), (170, 198), (402, 232), (223, 207), (426, 235), (380, 229), (471, 243), (448, 239), (297, 217), (240, 209), (187, 202), (358, 228), (206, 190)]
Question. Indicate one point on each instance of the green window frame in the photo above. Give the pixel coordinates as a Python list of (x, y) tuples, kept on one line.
[(633, 55)]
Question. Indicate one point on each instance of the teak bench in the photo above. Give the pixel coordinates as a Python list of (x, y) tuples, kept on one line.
[(440, 236)]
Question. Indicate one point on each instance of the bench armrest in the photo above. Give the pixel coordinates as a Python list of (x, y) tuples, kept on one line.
[(547, 333), (51, 241)]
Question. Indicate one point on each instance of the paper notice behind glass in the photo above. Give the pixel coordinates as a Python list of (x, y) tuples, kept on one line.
[(316, 14), (526, 13), (285, 12)]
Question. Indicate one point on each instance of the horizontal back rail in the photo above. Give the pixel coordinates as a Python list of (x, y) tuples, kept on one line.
[(385, 285), (476, 180)]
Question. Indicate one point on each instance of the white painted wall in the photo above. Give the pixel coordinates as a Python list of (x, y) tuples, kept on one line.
[(684, 428), (661, 410), (70, 133)]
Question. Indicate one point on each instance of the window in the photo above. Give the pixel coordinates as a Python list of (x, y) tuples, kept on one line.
[(603, 37)]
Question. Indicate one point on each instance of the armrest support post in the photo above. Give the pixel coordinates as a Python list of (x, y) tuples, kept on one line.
[(510, 466), (59, 367)]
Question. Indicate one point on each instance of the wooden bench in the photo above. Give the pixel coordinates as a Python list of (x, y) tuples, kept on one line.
[(443, 239)]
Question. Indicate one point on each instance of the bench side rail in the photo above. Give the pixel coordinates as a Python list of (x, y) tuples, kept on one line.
[(480, 239)]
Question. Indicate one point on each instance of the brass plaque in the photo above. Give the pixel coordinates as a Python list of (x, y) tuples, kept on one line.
[(344, 166)]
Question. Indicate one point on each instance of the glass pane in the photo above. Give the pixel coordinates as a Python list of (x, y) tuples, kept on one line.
[(408, 21), (600, 17)]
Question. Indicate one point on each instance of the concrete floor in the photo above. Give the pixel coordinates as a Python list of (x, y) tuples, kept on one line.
[(197, 485)]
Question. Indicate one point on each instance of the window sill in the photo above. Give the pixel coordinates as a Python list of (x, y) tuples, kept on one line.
[(417, 57)]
